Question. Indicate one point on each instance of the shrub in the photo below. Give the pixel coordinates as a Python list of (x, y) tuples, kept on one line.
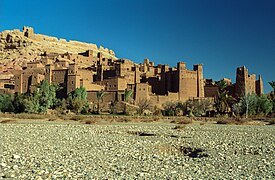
[(6, 104), (143, 105)]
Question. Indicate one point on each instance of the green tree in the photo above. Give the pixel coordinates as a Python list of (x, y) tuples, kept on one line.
[(32, 104), (77, 100), (6, 104), (47, 96), (252, 104), (99, 97), (263, 105), (19, 103)]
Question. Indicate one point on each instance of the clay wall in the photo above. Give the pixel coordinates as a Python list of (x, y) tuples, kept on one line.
[(85, 75), (142, 91), (72, 83), (32, 65), (211, 91), (259, 86), (161, 99), (91, 86), (107, 98), (59, 76), (188, 85), (115, 84), (246, 83), (61, 64)]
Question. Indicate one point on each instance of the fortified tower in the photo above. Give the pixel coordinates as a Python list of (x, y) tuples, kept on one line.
[(28, 32), (259, 86), (246, 83), (181, 67), (73, 78), (48, 74), (200, 80)]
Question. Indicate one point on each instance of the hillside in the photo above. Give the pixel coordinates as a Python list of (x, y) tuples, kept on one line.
[(18, 47)]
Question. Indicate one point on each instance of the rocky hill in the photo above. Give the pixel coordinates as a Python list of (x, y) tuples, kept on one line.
[(18, 47)]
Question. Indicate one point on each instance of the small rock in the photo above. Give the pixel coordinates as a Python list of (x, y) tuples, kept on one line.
[(3, 164), (15, 156)]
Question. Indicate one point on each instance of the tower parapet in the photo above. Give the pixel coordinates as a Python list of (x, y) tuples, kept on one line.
[(28, 32)]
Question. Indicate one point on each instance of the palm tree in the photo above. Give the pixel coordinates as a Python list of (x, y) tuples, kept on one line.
[(99, 96), (272, 84), (223, 100), (221, 85), (127, 95), (272, 94)]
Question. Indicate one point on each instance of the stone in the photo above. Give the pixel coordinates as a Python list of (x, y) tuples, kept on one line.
[(15, 156)]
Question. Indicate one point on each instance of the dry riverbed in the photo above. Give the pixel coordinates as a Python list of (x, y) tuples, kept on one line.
[(39, 149)]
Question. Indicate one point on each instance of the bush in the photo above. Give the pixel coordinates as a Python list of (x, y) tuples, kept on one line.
[(6, 103), (143, 105)]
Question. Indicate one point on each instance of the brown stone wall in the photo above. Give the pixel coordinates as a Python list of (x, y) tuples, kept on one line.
[(259, 86), (18, 79), (211, 91), (107, 98), (91, 86), (200, 80), (142, 91), (245, 83), (188, 87), (73, 83)]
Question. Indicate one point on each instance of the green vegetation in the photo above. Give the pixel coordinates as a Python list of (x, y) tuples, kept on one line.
[(191, 108), (43, 99), (223, 101), (77, 101)]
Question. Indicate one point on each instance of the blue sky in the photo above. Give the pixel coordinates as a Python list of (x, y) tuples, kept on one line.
[(221, 34)]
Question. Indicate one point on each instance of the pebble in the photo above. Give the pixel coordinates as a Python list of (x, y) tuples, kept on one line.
[(59, 151), (15, 156)]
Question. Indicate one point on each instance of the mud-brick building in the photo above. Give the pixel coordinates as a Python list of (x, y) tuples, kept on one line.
[(157, 83), (171, 84), (245, 83)]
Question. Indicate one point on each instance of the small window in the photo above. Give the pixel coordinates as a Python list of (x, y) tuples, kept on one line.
[(72, 82)]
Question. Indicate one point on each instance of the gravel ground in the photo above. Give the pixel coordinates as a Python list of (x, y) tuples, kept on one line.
[(54, 150)]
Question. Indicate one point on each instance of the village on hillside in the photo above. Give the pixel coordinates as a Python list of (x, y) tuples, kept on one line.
[(97, 70)]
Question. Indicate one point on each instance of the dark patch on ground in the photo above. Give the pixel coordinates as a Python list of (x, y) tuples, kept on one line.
[(193, 152), (141, 133), (174, 136), (8, 121)]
